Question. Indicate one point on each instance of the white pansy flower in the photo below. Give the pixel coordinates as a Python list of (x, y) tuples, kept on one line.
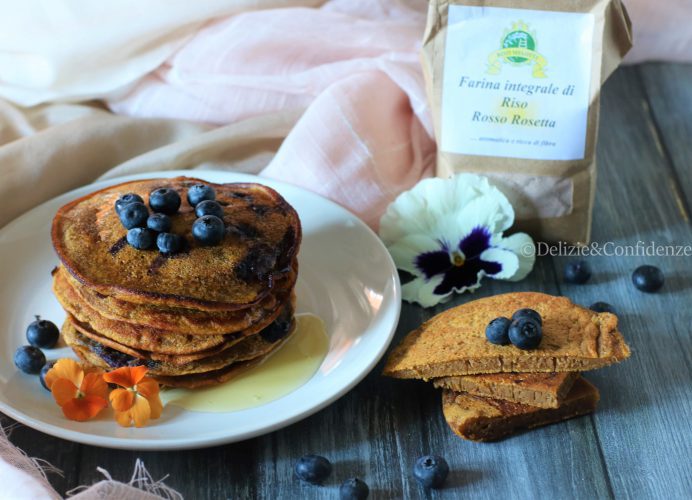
[(448, 234)]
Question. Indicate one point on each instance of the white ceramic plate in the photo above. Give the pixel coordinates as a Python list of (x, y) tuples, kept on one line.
[(346, 277)]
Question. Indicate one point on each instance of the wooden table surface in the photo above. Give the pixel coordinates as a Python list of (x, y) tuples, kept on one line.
[(637, 445)]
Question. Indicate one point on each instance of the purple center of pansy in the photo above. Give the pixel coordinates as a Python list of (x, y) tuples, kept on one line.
[(461, 265)]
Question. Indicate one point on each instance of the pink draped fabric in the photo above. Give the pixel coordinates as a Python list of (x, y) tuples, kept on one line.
[(351, 67)]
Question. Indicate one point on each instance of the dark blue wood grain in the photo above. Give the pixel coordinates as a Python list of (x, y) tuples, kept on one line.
[(637, 445)]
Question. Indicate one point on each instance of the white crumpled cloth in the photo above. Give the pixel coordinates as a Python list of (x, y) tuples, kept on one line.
[(24, 478)]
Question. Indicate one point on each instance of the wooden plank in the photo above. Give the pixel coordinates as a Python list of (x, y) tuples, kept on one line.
[(646, 402), (376, 432), (220, 472), (379, 429), (558, 461), (668, 88)]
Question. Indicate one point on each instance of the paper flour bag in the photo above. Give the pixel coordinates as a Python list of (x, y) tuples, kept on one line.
[(514, 87)]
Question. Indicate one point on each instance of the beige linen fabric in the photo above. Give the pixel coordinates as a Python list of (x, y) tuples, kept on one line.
[(47, 150), (73, 50)]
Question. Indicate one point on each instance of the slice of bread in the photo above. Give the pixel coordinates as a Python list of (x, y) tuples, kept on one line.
[(545, 390), (485, 419), (454, 343)]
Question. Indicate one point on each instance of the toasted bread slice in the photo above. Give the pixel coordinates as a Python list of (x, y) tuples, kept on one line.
[(545, 390), (454, 343), (485, 419)]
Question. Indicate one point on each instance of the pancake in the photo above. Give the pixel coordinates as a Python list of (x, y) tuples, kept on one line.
[(144, 338), (486, 419), (230, 340), (177, 320), (206, 379), (87, 331), (453, 343), (263, 236), (128, 334), (102, 356), (218, 376)]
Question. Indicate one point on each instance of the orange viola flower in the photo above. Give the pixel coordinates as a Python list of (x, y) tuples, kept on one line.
[(81, 395), (138, 400)]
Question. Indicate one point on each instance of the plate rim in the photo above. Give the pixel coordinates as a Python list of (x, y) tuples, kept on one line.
[(214, 440)]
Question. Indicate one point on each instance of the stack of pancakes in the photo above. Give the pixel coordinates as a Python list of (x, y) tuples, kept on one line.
[(491, 391), (194, 318)]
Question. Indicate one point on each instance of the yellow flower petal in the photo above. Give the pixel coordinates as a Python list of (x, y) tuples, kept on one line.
[(126, 376), (94, 385), (122, 399), (156, 406), (65, 368), (123, 418), (138, 373), (82, 409), (148, 387), (63, 391), (140, 411)]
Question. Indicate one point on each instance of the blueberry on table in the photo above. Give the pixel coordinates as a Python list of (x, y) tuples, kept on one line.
[(160, 223), (208, 230), (170, 243), (577, 272), (141, 238), (164, 200), (29, 359), (199, 193), (525, 333), (313, 469), (209, 207), (353, 489), (126, 199), (602, 307), (134, 215), (42, 333), (431, 471), (648, 279), (42, 376), (529, 313), (497, 331)]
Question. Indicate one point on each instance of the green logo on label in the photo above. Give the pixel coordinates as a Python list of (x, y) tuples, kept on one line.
[(518, 49)]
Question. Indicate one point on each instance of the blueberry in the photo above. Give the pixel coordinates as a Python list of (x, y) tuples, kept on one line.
[(199, 193), (164, 200), (208, 230), (353, 489), (170, 243), (29, 359), (141, 238), (42, 333), (577, 272), (313, 469), (160, 223), (258, 262), (525, 333), (134, 215), (529, 313), (277, 330), (431, 471), (126, 199), (497, 331), (602, 307), (209, 207), (648, 279), (42, 376)]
